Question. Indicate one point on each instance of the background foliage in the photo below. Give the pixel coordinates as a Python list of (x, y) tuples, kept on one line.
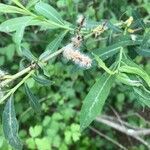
[(57, 126)]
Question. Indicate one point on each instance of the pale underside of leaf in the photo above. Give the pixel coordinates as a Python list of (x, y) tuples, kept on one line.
[(10, 125)]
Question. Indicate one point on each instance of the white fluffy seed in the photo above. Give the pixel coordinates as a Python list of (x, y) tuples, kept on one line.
[(76, 56)]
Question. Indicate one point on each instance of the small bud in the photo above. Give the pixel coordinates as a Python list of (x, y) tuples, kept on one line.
[(130, 30), (129, 21)]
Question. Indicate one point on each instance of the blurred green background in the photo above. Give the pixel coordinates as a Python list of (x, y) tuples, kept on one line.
[(58, 124)]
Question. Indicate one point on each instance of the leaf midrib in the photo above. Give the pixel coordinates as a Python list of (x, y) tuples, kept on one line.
[(50, 14), (96, 99)]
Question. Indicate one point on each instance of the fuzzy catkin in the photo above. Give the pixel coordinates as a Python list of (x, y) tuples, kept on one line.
[(76, 56)]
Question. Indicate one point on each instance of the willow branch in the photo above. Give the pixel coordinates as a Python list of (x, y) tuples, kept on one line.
[(128, 131), (108, 138), (28, 69)]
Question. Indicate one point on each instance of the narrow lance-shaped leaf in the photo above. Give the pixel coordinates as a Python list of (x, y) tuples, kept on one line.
[(14, 23), (125, 79), (31, 3), (42, 80), (18, 36), (102, 64), (48, 12), (10, 125), (143, 95), (53, 46), (34, 102), (109, 51), (138, 21), (144, 48), (143, 51), (94, 101), (10, 9), (132, 68), (27, 53), (18, 3)]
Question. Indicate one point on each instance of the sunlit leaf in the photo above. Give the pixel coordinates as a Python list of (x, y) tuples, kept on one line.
[(32, 3), (14, 24), (48, 12), (95, 99), (125, 79), (10, 125), (132, 68), (18, 3), (10, 9)]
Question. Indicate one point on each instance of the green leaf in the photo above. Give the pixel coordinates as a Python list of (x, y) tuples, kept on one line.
[(53, 46), (10, 9), (30, 142), (48, 12), (144, 48), (113, 27), (143, 95), (35, 131), (138, 21), (18, 36), (14, 24), (42, 80), (10, 125), (95, 99), (31, 3), (103, 65), (105, 53), (43, 143), (143, 52), (125, 79), (27, 53), (18, 4), (132, 68), (34, 102), (8, 51)]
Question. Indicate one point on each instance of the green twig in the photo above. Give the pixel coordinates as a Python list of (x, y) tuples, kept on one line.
[(12, 91)]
